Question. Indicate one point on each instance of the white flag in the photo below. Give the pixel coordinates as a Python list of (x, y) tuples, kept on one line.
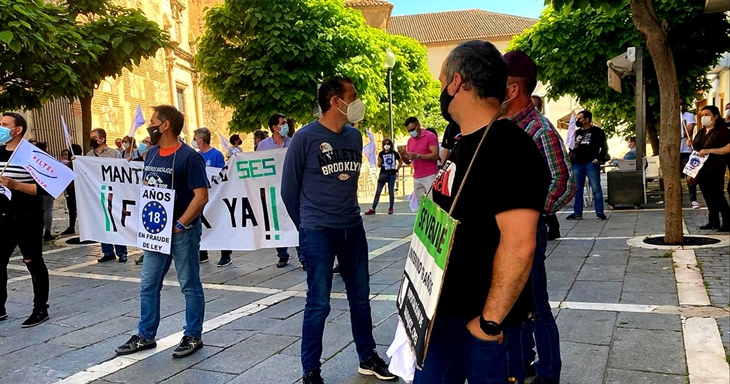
[(51, 174), (570, 142), (137, 122), (224, 142), (66, 134), (6, 192)]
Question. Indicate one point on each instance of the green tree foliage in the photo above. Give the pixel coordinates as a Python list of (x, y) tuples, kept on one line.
[(572, 46), (263, 57), (37, 42)]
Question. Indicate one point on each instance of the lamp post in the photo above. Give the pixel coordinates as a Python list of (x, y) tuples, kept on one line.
[(390, 63)]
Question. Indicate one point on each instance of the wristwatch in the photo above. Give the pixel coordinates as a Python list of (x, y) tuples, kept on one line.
[(180, 226), (489, 327)]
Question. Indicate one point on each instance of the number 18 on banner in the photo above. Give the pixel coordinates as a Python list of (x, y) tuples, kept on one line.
[(155, 221)]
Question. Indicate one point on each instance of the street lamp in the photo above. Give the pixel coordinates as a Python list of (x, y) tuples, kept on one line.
[(390, 63)]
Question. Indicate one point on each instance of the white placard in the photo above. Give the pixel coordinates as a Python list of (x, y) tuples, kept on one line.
[(155, 222)]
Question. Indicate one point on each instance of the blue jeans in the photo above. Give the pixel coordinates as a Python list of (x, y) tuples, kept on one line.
[(593, 171), (454, 355), (109, 249), (184, 251), (382, 180), (351, 249), (542, 333)]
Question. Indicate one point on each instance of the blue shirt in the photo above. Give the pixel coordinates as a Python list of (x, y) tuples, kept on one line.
[(189, 173), (213, 158), (320, 177), (269, 143)]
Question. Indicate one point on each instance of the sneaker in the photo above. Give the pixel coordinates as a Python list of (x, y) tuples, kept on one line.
[(69, 231), (574, 216), (542, 380), (370, 212), (204, 259), (187, 346), (135, 343), (695, 205), (709, 226), (37, 317), (122, 258), (304, 265), (602, 216), (336, 269), (224, 261), (390, 211), (48, 236), (139, 261), (313, 377), (375, 366), (104, 259), (282, 262)]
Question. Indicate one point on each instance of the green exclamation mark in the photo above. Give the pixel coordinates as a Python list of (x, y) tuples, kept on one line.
[(274, 212), (103, 208)]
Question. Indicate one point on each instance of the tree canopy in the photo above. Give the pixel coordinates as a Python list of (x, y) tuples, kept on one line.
[(263, 57), (572, 46)]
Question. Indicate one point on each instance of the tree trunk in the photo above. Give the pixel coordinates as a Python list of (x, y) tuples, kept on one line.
[(86, 120), (654, 32), (652, 133)]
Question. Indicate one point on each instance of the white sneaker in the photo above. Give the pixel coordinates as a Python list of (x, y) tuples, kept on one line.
[(695, 205)]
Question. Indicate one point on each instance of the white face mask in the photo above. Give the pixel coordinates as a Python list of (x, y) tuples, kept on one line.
[(706, 121), (126, 146), (194, 144), (355, 110), (386, 147)]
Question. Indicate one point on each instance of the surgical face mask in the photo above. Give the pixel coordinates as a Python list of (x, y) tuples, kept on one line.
[(142, 148), (386, 147), (413, 133), (126, 146), (194, 144), (706, 121), (5, 135), (284, 130), (355, 110)]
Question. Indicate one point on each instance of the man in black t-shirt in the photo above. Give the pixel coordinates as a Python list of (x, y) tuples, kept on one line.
[(451, 136), (590, 151), (21, 221), (489, 265)]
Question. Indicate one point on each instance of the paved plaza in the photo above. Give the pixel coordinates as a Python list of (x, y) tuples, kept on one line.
[(626, 314)]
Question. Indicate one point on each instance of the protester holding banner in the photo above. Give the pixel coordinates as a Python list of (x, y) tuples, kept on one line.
[(279, 130), (687, 124), (129, 148), (100, 149), (173, 167), (542, 333), (235, 147), (711, 140), (489, 265), (212, 158), (319, 189), (21, 219)]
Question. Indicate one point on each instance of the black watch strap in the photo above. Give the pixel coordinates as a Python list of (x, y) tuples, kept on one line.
[(489, 327)]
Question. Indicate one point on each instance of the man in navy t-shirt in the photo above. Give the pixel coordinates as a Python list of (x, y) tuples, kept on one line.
[(319, 189), (170, 164)]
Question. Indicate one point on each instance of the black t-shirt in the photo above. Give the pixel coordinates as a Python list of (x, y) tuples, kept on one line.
[(509, 173), (715, 138), (451, 136), (590, 144), (21, 202), (189, 174), (389, 162)]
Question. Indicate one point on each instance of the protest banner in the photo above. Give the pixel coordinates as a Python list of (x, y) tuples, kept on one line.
[(433, 235), (244, 210)]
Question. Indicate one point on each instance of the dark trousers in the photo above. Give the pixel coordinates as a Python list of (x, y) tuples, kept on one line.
[(712, 185), (553, 225), (24, 230), (224, 254), (71, 205)]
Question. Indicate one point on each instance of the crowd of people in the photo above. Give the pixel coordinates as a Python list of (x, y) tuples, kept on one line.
[(493, 319)]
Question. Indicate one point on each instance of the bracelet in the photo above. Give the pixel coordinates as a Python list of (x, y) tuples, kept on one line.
[(180, 226)]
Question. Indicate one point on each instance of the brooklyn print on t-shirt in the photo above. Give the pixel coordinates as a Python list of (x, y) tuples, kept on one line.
[(340, 161)]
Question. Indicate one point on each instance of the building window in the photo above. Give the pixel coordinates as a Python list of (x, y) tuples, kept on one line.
[(181, 100)]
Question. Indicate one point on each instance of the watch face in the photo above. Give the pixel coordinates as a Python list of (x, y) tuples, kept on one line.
[(489, 327)]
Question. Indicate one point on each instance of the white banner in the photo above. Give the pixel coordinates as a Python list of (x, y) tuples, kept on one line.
[(244, 211)]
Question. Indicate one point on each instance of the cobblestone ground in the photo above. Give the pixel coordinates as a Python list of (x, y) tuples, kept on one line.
[(254, 310)]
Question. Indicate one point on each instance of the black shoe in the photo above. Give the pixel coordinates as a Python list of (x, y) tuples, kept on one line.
[(37, 317), (313, 377), (553, 236), (122, 258), (336, 269), (224, 261), (104, 259), (375, 366), (69, 231), (139, 261), (710, 226), (602, 216), (204, 259), (282, 262), (542, 380), (187, 346), (304, 265), (724, 228), (573, 216), (135, 343), (48, 236)]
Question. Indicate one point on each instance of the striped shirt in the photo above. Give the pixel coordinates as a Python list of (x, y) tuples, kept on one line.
[(548, 140), (20, 201)]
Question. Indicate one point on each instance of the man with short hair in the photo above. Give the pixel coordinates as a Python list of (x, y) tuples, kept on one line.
[(172, 164), (589, 152), (100, 149), (484, 288), (319, 189), (258, 137), (687, 131), (542, 333), (422, 150), (21, 221), (213, 158), (537, 103)]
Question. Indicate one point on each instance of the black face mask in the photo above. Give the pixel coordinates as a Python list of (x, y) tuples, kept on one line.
[(94, 143), (579, 124), (154, 133), (445, 101)]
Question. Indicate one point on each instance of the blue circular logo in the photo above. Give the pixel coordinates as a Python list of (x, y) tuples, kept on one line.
[(154, 217)]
